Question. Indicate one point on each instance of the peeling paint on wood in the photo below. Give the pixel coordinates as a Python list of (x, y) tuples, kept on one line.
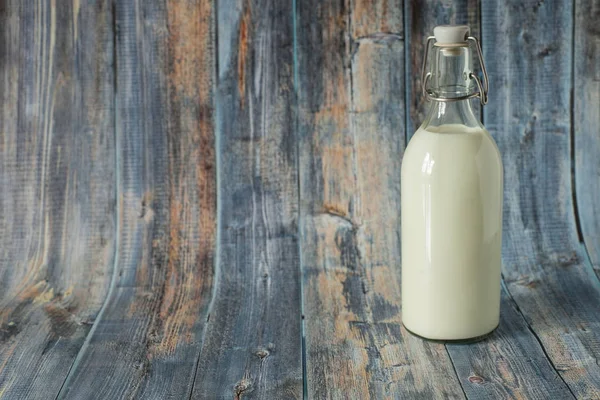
[(148, 339), (252, 348), (352, 139)]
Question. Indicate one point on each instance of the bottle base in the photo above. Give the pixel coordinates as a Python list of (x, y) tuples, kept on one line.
[(454, 341)]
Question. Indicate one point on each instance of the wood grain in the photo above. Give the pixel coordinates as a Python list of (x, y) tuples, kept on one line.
[(586, 123), (252, 348), (57, 196), (147, 341), (510, 364), (351, 94), (117, 117), (422, 17), (527, 46)]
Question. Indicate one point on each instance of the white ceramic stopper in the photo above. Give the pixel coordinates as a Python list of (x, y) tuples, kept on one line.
[(451, 33)]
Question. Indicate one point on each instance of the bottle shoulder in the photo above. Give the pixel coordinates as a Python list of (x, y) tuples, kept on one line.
[(435, 138), (448, 146)]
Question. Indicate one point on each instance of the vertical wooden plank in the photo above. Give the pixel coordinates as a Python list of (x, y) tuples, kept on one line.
[(586, 123), (528, 48), (252, 348), (377, 19), (148, 338), (422, 17), (351, 119), (57, 191)]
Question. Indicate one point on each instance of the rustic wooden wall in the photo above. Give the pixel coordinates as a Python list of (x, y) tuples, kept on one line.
[(200, 199)]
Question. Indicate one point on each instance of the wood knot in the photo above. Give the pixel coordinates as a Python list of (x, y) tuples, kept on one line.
[(7, 331), (532, 284), (528, 282), (566, 260), (243, 386), (476, 379), (546, 51), (262, 353)]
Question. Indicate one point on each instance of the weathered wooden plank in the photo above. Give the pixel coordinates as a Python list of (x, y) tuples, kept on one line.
[(351, 103), (586, 124), (253, 344), (511, 364), (148, 338), (527, 45), (422, 17), (57, 196), (376, 19)]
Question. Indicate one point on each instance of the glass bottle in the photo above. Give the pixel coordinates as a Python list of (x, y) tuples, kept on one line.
[(452, 188)]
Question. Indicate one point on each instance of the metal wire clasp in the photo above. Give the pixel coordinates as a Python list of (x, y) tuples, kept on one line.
[(483, 88)]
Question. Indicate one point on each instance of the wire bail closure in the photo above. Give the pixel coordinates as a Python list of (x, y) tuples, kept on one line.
[(483, 88)]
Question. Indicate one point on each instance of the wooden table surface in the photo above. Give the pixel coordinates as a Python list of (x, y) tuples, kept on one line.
[(201, 199)]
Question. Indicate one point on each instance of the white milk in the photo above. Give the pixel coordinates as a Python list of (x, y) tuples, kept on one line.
[(451, 233)]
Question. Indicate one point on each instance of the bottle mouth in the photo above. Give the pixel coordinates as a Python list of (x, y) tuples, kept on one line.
[(450, 34)]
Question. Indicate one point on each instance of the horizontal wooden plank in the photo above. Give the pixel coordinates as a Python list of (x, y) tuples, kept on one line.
[(147, 340), (57, 179), (351, 94), (510, 364), (253, 344), (528, 48)]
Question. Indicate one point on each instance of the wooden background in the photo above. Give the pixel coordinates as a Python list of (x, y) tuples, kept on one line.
[(200, 199)]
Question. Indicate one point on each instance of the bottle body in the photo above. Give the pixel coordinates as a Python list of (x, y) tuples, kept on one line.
[(452, 189)]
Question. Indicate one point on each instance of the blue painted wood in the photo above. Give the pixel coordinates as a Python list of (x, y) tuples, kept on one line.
[(586, 124), (61, 170), (351, 124), (252, 348), (527, 46), (511, 363), (57, 191), (147, 339)]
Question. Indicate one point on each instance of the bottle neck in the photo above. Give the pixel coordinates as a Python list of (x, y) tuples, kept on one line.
[(450, 79), (451, 112)]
